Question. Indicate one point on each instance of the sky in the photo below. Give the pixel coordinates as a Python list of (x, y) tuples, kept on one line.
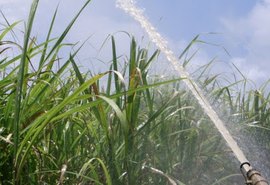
[(241, 27)]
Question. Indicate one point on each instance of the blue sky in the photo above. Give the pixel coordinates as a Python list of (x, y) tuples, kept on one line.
[(243, 28)]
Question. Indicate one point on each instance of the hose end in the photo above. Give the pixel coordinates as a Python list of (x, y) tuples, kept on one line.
[(252, 176)]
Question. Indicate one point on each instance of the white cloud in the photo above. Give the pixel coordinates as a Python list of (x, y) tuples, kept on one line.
[(15, 9), (99, 19), (253, 71), (252, 34)]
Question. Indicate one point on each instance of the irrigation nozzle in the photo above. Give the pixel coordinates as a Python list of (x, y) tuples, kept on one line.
[(252, 176)]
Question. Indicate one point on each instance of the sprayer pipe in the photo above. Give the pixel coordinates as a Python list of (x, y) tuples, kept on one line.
[(256, 178), (137, 14)]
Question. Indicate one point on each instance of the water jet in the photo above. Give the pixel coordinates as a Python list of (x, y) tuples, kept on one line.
[(252, 176)]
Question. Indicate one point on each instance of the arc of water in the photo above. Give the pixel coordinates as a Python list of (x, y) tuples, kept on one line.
[(129, 6)]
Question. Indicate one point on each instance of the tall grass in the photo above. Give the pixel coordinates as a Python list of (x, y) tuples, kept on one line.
[(60, 126)]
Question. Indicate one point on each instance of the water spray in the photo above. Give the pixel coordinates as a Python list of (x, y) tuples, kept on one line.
[(252, 176)]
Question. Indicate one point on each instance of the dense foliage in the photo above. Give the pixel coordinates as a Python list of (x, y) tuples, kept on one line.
[(61, 126)]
